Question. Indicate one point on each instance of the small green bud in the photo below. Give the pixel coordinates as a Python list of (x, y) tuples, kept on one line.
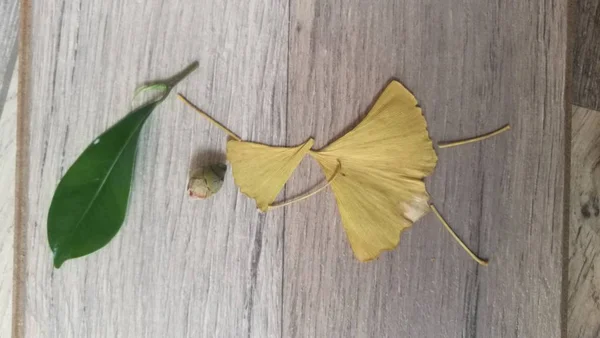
[(206, 181)]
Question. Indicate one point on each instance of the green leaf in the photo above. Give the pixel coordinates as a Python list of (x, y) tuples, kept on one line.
[(90, 202)]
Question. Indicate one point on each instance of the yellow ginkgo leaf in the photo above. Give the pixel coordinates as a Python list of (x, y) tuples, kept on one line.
[(260, 171), (380, 189), (376, 172)]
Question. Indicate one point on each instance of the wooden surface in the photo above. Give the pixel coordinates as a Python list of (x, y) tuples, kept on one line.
[(584, 239), (178, 268), (277, 75), (584, 248), (586, 55), (474, 67), (8, 45), (8, 116), (8, 149)]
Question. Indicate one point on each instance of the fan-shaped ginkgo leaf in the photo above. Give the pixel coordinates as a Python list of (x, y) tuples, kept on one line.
[(380, 189), (260, 171), (376, 172)]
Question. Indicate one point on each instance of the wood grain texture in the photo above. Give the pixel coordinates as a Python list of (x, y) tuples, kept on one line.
[(278, 75), (586, 52), (8, 117), (584, 248), (474, 66), (8, 45), (178, 268), (8, 148)]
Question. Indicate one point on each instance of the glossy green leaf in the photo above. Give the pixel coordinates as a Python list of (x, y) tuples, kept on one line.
[(90, 202)]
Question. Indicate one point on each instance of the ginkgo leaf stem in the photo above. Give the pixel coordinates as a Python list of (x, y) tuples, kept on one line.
[(443, 145), (462, 244), (209, 118), (310, 194)]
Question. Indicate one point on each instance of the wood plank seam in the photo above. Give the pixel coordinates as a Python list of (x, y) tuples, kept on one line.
[(568, 94), (22, 169)]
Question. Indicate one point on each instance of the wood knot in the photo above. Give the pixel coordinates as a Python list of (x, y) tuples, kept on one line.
[(591, 207)]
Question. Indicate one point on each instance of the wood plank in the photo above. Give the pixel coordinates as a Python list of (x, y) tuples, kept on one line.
[(586, 52), (584, 248), (178, 268), (474, 66), (8, 45), (8, 148), (8, 114)]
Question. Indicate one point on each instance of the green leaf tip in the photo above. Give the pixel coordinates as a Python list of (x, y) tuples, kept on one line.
[(90, 202), (59, 259)]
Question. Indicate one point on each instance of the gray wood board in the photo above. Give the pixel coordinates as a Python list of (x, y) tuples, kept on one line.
[(8, 115), (474, 66), (584, 246), (178, 268), (8, 45), (220, 268), (8, 149), (586, 55)]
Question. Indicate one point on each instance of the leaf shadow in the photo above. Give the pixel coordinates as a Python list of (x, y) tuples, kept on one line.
[(206, 157)]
